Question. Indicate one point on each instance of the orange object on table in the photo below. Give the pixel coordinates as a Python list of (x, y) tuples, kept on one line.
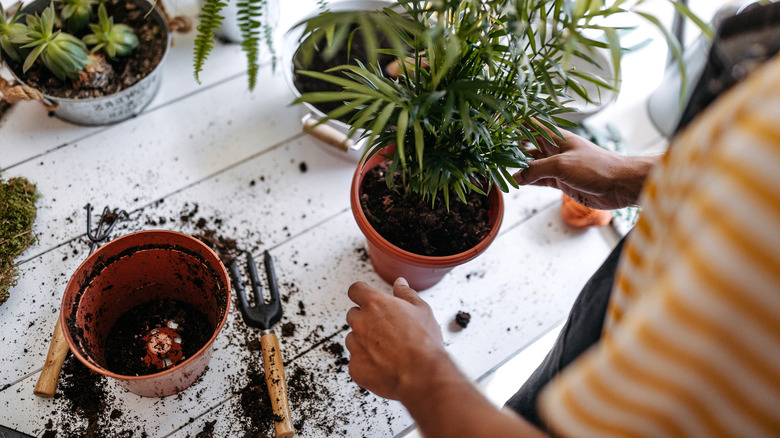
[(580, 216)]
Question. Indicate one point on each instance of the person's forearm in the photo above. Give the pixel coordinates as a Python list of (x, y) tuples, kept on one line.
[(444, 403), (631, 179)]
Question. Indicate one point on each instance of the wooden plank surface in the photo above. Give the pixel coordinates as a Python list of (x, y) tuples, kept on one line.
[(218, 158)]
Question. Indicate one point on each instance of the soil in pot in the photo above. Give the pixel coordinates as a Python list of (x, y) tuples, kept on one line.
[(111, 76), (410, 223), (154, 336), (347, 54)]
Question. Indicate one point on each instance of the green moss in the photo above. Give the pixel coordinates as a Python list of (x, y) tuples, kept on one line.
[(17, 214)]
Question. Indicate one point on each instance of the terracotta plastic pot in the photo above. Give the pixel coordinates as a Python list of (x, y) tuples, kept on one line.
[(391, 262), (580, 216), (136, 269)]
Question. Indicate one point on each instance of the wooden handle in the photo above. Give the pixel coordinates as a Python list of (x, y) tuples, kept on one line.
[(58, 350), (328, 134), (277, 385)]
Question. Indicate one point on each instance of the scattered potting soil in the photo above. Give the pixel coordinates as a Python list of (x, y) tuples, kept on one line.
[(409, 222), (288, 329), (116, 75), (154, 336), (347, 54), (462, 319), (250, 414), (305, 395)]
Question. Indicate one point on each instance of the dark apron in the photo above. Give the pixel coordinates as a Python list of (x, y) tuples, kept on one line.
[(743, 42)]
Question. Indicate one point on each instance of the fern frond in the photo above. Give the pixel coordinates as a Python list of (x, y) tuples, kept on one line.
[(249, 14), (210, 20)]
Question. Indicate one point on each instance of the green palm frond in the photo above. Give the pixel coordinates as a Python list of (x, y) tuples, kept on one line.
[(210, 20), (485, 76)]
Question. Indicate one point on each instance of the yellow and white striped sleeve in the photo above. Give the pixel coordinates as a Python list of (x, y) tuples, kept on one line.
[(691, 342)]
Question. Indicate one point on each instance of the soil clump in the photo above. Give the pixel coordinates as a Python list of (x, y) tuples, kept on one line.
[(411, 223)]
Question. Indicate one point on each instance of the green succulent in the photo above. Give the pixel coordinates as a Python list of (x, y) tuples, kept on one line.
[(10, 32), (77, 14), (114, 39), (62, 53)]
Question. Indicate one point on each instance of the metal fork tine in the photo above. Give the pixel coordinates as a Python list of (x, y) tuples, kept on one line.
[(269, 272), (257, 288), (239, 285), (100, 233)]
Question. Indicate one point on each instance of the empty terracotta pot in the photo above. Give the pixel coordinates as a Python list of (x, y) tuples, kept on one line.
[(421, 271), (131, 273)]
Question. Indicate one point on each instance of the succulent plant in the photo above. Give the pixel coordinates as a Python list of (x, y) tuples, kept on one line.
[(10, 32), (77, 14), (62, 53), (114, 39)]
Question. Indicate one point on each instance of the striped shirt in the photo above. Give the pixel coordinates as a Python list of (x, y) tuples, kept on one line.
[(691, 341)]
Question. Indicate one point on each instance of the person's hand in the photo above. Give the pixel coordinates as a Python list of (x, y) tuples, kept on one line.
[(592, 176), (393, 337)]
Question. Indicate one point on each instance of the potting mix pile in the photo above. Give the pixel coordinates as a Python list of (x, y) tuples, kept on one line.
[(179, 328), (409, 222)]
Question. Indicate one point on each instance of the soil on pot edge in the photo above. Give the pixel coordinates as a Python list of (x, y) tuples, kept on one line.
[(409, 222)]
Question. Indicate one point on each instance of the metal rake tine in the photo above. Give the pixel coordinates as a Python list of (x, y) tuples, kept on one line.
[(100, 234), (238, 283), (257, 287), (273, 288)]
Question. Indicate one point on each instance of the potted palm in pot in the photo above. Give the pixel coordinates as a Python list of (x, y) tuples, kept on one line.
[(478, 82)]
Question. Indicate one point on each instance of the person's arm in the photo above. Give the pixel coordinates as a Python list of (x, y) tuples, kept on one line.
[(397, 352), (592, 176)]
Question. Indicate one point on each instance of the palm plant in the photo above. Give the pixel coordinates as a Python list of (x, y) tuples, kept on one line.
[(481, 79)]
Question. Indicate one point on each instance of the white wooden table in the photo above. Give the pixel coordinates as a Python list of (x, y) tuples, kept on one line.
[(235, 158)]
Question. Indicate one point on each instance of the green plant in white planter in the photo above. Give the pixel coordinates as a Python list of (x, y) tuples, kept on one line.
[(249, 15), (252, 28)]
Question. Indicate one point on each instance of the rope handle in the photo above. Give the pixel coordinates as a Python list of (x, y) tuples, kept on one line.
[(14, 93)]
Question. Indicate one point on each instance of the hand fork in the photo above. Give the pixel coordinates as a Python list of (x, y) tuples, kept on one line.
[(264, 315)]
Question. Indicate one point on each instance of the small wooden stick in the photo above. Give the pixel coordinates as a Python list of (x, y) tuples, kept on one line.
[(58, 350), (328, 134)]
